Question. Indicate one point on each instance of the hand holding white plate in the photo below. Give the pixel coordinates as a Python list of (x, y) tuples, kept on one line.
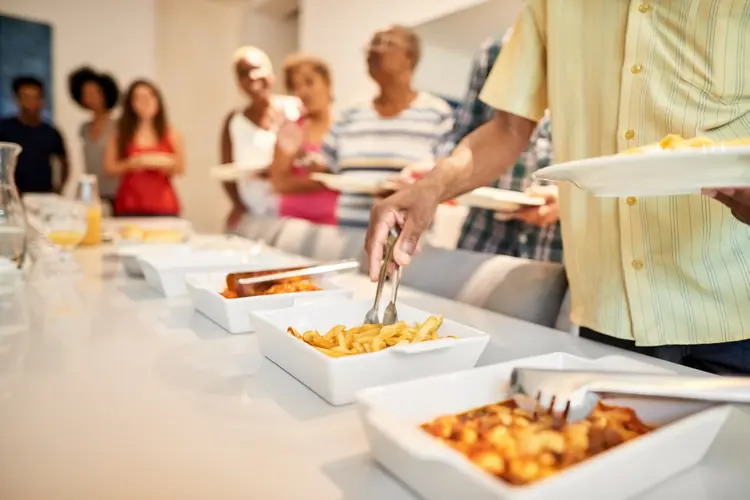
[(656, 172), (349, 184), (153, 160), (235, 171), (499, 200)]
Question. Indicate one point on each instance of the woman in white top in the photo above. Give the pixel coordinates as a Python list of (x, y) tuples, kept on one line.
[(249, 135)]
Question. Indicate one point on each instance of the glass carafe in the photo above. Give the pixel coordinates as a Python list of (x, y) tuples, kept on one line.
[(13, 223)]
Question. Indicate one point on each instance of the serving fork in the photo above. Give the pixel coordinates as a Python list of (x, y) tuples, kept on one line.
[(572, 395), (373, 315)]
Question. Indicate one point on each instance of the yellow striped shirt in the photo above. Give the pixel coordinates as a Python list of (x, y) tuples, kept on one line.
[(618, 74)]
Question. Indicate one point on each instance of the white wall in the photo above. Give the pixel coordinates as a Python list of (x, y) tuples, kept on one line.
[(338, 31), (116, 35), (443, 71), (195, 42)]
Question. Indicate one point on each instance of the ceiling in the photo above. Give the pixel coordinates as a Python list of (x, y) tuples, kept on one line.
[(465, 30)]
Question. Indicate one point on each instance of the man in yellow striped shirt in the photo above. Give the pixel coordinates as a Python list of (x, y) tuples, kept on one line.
[(667, 276)]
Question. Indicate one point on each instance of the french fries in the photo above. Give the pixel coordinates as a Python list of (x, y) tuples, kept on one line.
[(340, 341), (675, 142)]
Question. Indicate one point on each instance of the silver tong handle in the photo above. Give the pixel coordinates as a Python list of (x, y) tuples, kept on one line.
[(714, 389), (346, 265), (387, 257)]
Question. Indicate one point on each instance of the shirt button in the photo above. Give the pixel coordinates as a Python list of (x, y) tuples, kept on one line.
[(636, 68), (644, 7), (630, 201), (637, 264), (629, 134)]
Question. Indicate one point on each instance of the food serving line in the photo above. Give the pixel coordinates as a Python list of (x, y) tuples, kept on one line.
[(123, 393)]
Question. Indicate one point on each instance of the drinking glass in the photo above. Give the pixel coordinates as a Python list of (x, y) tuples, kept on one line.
[(65, 227)]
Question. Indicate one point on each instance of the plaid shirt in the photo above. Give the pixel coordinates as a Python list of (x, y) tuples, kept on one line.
[(481, 231)]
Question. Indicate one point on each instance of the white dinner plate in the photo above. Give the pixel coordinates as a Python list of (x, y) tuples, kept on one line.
[(236, 171), (656, 172), (499, 200), (156, 159), (349, 184)]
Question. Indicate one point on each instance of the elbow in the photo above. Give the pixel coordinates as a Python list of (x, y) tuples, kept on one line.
[(515, 129)]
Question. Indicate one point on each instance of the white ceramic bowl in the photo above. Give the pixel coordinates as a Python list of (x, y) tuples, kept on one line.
[(338, 379), (166, 273), (392, 415), (234, 314)]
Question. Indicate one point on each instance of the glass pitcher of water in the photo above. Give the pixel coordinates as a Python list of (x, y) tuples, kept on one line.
[(13, 223)]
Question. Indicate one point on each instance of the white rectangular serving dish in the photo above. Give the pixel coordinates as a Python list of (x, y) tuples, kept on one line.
[(130, 254), (338, 379), (234, 314), (166, 273), (392, 416)]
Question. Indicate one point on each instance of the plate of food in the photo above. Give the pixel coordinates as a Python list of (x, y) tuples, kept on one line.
[(351, 183), (674, 166), (155, 159), (157, 230), (466, 429), (326, 346), (228, 172), (219, 297), (499, 200)]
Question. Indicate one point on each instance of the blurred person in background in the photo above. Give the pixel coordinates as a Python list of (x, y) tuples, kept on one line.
[(97, 93), (308, 78), (249, 135), (42, 143), (145, 152), (379, 137), (531, 233)]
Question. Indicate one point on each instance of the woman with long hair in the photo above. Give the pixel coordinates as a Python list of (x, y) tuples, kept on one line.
[(145, 152), (97, 93), (309, 79)]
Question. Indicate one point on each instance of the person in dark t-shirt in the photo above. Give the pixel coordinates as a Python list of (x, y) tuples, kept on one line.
[(41, 142)]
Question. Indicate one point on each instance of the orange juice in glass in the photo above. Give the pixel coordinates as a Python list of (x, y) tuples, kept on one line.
[(88, 194), (65, 239), (64, 227), (93, 234)]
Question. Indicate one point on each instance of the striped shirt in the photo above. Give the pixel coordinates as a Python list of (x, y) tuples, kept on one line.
[(665, 270), (364, 145)]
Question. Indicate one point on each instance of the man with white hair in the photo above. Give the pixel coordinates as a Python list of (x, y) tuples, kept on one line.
[(249, 135)]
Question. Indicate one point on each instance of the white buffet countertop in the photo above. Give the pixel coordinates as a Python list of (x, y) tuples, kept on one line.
[(147, 399)]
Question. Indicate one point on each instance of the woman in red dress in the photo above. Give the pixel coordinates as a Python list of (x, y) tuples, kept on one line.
[(145, 152)]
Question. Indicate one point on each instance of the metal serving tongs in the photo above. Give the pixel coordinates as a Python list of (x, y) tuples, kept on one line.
[(244, 284), (391, 316), (572, 395)]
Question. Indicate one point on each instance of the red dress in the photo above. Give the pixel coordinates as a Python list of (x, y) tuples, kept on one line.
[(147, 192)]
